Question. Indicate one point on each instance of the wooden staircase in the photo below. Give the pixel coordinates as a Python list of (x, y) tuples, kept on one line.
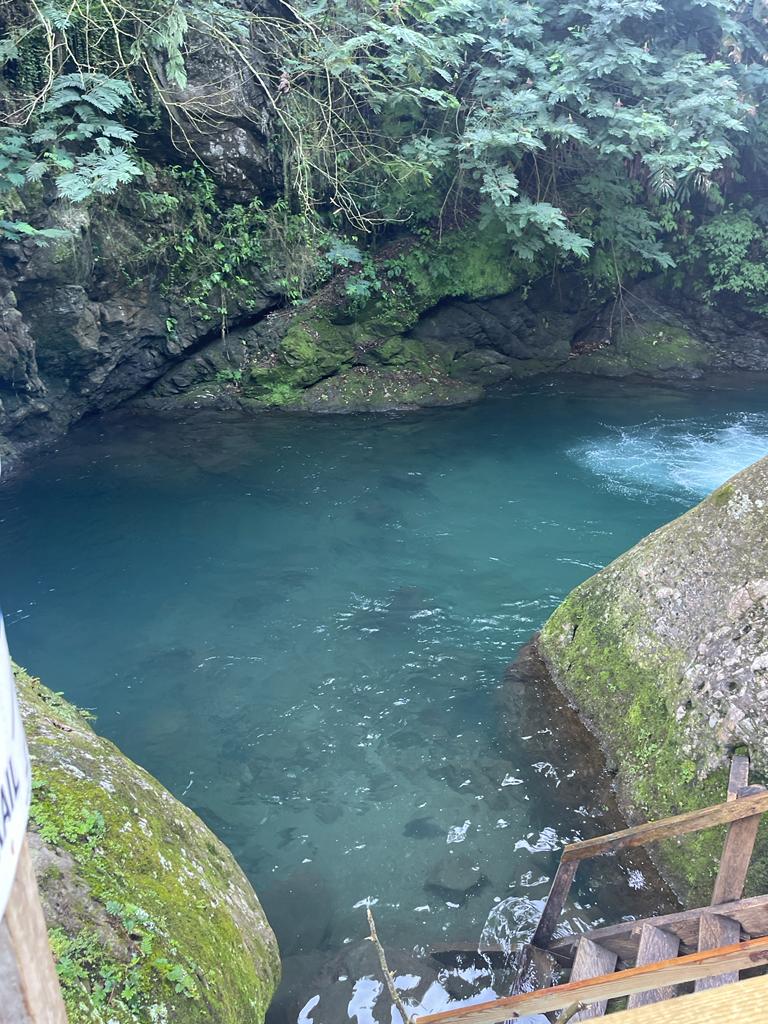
[(649, 960)]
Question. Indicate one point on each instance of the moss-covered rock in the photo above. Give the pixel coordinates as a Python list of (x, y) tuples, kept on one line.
[(332, 334), (649, 348), (365, 389), (151, 920), (401, 353), (665, 653), (310, 350)]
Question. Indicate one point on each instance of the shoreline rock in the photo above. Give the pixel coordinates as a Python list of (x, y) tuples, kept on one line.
[(149, 915), (665, 655)]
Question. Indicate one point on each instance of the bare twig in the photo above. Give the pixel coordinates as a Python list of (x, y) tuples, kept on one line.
[(389, 977)]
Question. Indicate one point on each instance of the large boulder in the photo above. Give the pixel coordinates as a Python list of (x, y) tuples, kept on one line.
[(665, 654), (150, 918)]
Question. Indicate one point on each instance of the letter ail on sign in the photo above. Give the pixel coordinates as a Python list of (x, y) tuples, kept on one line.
[(15, 782)]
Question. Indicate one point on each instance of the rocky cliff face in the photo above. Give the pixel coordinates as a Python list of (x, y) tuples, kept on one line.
[(150, 917), (90, 322), (77, 335), (665, 653)]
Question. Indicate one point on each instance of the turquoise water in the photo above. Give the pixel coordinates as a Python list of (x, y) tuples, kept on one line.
[(302, 627)]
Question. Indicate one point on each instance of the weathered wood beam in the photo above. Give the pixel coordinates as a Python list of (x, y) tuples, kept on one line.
[(668, 828), (29, 987), (715, 931), (623, 938), (737, 852), (738, 777), (745, 1003), (558, 894), (637, 979), (591, 961), (656, 946)]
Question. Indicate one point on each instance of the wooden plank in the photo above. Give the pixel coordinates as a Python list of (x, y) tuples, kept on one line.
[(714, 931), (636, 979), (558, 894), (738, 777), (29, 987), (656, 945), (744, 1003), (623, 938), (736, 855), (668, 828), (592, 961)]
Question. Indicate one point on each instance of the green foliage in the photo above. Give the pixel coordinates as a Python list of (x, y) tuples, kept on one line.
[(99, 986), (729, 257), (589, 132), (73, 140), (62, 818), (586, 129), (96, 984), (206, 250), (229, 376)]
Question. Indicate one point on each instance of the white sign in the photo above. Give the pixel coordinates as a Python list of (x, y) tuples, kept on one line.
[(15, 781)]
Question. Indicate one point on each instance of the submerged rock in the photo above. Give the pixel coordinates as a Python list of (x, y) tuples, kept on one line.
[(150, 917), (423, 828), (455, 879), (665, 653)]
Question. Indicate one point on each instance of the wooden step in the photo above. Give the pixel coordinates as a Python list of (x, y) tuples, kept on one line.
[(591, 961), (623, 938), (716, 930), (744, 1003), (679, 971), (656, 945)]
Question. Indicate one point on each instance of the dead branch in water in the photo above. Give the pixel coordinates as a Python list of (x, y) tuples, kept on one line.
[(389, 977)]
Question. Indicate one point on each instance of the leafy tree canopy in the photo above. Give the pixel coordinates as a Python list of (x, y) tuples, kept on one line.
[(596, 131)]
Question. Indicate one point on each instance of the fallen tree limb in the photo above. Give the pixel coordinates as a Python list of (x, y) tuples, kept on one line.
[(389, 978)]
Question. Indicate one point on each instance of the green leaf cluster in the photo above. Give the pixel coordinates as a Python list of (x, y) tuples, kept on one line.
[(591, 132), (74, 141)]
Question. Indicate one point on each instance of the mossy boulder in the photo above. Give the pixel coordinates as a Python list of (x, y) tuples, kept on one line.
[(650, 349), (366, 389), (333, 334), (150, 918), (401, 353), (312, 348), (665, 654)]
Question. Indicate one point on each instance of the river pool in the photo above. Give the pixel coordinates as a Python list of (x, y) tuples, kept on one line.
[(301, 626)]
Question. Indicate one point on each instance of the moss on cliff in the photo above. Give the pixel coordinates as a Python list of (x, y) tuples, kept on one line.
[(648, 349), (630, 703), (365, 389), (332, 334), (151, 919), (663, 653)]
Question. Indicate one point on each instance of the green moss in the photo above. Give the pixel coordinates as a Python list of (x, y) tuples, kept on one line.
[(629, 699), (722, 495), (334, 332), (402, 353), (312, 348), (650, 346), (367, 389), (161, 924), (472, 263), (648, 349)]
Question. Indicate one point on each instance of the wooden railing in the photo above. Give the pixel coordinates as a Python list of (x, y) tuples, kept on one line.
[(741, 811), (683, 969)]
